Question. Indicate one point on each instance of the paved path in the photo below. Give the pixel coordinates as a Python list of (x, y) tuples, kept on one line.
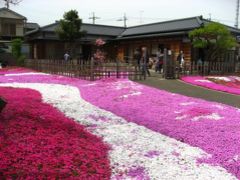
[(179, 87)]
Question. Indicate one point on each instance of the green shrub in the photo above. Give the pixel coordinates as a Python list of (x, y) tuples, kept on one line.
[(16, 48), (21, 60)]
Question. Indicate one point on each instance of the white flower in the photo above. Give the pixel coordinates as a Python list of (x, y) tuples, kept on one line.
[(220, 78), (26, 74), (218, 106), (187, 103), (181, 117), (131, 94), (213, 116), (204, 81)]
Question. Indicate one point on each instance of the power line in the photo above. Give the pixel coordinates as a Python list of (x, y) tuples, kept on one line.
[(94, 18)]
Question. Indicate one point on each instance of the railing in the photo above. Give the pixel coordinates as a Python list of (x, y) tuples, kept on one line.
[(207, 68), (88, 70)]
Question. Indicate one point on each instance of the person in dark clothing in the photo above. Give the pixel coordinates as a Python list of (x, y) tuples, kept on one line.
[(159, 62), (137, 57), (145, 62), (180, 57)]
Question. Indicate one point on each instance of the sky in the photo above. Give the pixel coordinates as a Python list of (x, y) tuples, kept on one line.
[(138, 12)]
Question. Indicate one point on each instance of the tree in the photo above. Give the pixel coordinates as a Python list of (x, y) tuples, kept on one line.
[(70, 27), (214, 38), (14, 2), (16, 47), (17, 51)]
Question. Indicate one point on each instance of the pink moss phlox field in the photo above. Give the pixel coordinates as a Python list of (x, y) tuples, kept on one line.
[(14, 70), (210, 126), (41, 143), (232, 87)]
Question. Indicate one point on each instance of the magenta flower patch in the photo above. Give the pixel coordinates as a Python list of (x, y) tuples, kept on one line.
[(14, 70), (140, 143), (39, 142), (211, 126), (229, 84)]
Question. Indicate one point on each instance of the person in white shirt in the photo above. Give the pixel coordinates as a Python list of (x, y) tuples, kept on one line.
[(66, 56)]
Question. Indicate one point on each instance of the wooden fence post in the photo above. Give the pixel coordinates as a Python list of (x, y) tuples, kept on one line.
[(117, 68), (165, 63), (92, 70)]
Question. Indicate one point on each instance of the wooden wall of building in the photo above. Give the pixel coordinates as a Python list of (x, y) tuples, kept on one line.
[(174, 44)]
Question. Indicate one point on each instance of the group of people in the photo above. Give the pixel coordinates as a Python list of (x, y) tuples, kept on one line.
[(144, 62)]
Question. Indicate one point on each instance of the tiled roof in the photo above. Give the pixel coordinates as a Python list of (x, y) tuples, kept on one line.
[(32, 26), (173, 27), (92, 29), (162, 27), (13, 12)]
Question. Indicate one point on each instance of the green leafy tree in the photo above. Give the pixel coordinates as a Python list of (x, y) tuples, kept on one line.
[(69, 29), (215, 38), (17, 51), (16, 47)]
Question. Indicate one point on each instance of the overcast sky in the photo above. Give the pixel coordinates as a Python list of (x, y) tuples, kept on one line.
[(45, 12)]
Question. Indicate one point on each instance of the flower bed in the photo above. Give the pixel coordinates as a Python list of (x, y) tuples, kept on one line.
[(152, 134), (39, 142), (10, 70), (230, 84)]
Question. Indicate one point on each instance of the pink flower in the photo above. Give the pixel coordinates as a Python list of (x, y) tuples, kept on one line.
[(100, 42), (38, 141)]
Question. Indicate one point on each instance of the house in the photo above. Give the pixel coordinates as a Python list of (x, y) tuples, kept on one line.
[(31, 26), (172, 35), (46, 44), (12, 26)]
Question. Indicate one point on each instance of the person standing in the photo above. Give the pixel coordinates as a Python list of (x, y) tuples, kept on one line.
[(159, 63), (137, 57), (180, 59), (66, 57), (144, 62)]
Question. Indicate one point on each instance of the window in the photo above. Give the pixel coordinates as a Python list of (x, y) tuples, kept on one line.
[(8, 29)]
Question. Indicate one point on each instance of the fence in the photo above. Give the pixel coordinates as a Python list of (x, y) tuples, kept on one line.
[(88, 70), (207, 68), (226, 65)]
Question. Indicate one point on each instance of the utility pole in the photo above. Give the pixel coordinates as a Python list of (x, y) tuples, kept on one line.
[(124, 19), (237, 14), (94, 18)]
